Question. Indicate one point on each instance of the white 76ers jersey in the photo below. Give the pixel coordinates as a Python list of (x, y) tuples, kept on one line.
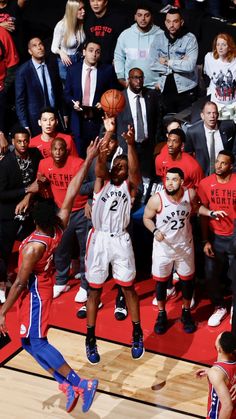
[(111, 208), (174, 219)]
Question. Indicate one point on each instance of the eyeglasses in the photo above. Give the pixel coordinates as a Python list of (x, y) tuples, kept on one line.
[(137, 77)]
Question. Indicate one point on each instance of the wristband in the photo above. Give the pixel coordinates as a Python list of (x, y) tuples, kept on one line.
[(154, 231), (212, 215)]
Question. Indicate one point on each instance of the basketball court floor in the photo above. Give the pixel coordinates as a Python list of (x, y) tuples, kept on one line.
[(161, 384)]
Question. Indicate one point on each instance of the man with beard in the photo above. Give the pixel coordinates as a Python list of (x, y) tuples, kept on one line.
[(217, 191), (173, 57), (173, 242)]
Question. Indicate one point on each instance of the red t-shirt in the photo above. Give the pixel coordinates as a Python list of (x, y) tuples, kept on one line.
[(192, 170), (45, 146), (60, 178), (219, 196), (8, 57)]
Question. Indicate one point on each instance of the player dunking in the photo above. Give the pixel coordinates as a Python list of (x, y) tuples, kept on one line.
[(222, 379), (33, 288), (109, 242), (173, 242)]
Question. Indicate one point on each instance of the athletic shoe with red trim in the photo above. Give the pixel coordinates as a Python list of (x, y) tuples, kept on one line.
[(72, 395), (87, 390)]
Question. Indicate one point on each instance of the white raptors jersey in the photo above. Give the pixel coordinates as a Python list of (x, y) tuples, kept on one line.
[(174, 219), (111, 208)]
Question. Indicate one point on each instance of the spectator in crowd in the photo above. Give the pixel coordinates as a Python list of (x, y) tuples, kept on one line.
[(85, 83), (143, 110), (173, 57), (69, 36), (49, 123), (217, 192), (133, 45), (109, 241), (57, 171), (173, 243), (207, 137), (176, 157), (220, 69), (18, 170), (104, 25), (8, 64), (37, 84), (222, 378)]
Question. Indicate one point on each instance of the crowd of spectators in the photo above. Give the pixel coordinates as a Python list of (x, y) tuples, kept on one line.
[(57, 112)]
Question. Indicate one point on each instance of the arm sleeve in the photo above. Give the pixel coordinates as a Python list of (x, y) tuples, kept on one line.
[(188, 63), (21, 103), (57, 38), (119, 58)]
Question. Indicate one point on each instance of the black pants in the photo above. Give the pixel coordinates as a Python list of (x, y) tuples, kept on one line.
[(214, 267)]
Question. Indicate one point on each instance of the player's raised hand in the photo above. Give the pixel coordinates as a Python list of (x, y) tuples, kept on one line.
[(109, 123), (129, 136), (93, 149)]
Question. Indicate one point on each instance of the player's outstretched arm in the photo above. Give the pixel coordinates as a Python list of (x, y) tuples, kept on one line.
[(133, 163), (31, 254), (75, 184)]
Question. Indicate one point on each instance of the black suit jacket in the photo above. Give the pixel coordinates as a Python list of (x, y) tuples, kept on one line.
[(12, 189), (154, 112), (29, 94), (196, 141), (106, 79)]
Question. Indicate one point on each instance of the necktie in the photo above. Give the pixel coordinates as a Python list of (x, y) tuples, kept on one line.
[(140, 125), (212, 152), (45, 87), (86, 98)]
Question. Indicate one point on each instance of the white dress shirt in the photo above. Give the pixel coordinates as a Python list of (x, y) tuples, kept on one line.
[(218, 141), (132, 101), (93, 81)]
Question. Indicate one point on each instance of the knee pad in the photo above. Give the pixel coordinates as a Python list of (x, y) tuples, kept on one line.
[(187, 288), (161, 290)]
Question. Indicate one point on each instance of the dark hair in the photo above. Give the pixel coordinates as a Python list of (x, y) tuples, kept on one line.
[(175, 11), (19, 130), (176, 170), (144, 6), (229, 154), (61, 140), (208, 103), (227, 342), (179, 132), (170, 120), (121, 157), (48, 109), (44, 214), (135, 69), (91, 41)]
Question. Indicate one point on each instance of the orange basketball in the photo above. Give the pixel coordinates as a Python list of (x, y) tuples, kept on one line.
[(112, 102)]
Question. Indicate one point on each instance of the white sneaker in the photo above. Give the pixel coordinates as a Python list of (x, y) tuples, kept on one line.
[(217, 317), (175, 277), (170, 293), (231, 314), (59, 289), (81, 296), (192, 304), (2, 296)]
